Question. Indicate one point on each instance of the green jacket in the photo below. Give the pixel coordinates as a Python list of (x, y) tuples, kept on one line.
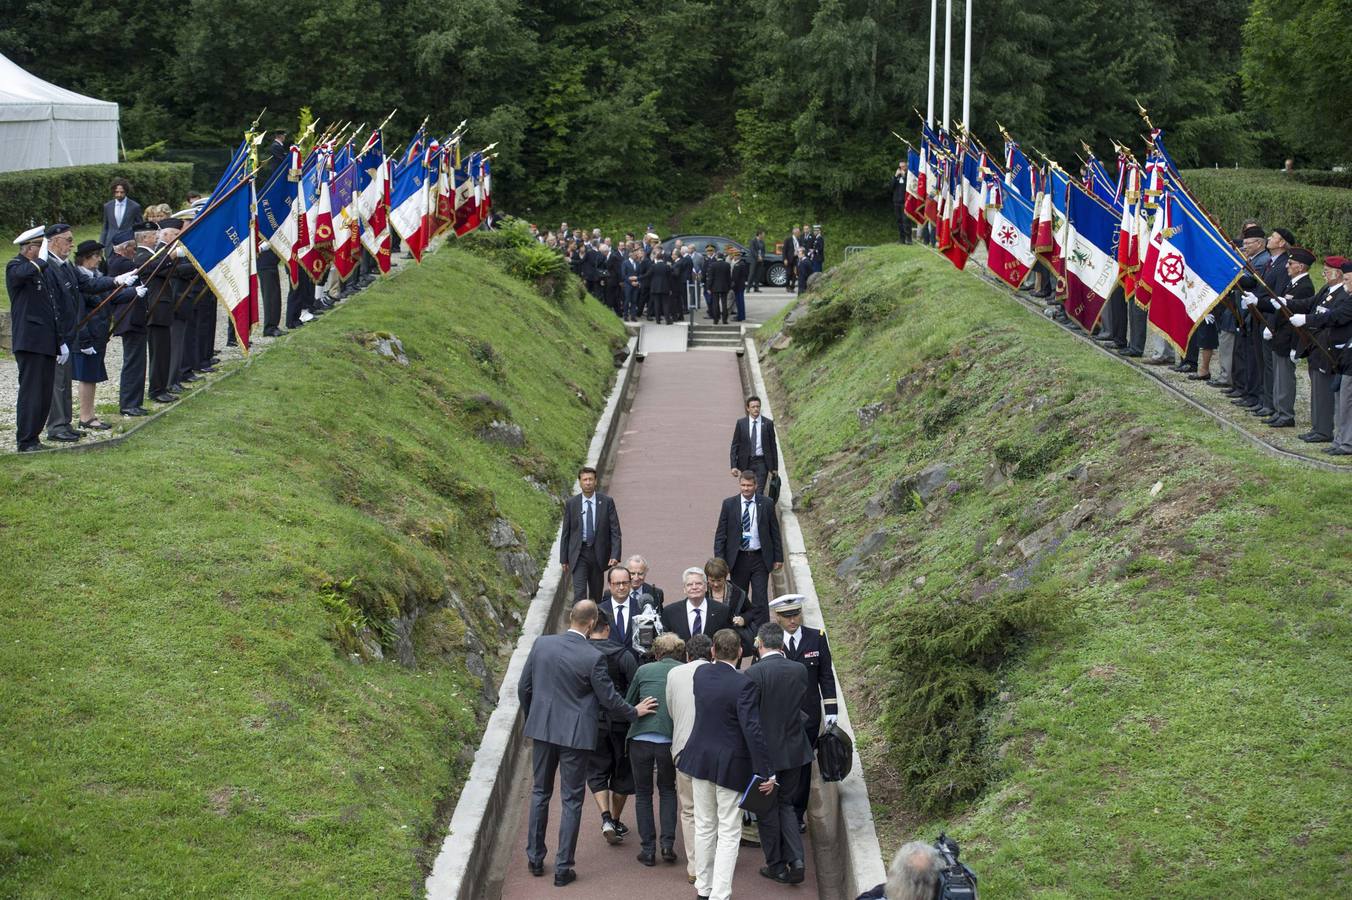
[(651, 681)]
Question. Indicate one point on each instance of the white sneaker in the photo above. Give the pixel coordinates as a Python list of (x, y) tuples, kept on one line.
[(306, 316)]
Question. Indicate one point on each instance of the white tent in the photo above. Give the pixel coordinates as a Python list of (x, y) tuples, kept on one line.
[(42, 125)]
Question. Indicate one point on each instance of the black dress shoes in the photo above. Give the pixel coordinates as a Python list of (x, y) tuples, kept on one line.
[(165, 398), (774, 873), (668, 855), (647, 857), (33, 447), (1130, 353), (564, 878), (190, 378), (1331, 451), (273, 332), (1262, 412), (1281, 423), (536, 869), (1197, 377), (68, 436), (796, 873), (136, 411), (1319, 439)]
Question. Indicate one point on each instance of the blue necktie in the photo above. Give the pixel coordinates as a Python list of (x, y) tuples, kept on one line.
[(746, 525), (697, 628), (588, 526)]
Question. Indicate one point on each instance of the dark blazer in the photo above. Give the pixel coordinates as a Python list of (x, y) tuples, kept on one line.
[(676, 619), (611, 268), (757, 249), (129, 319), (727, 745), (606, 541), (166, 277), (718, 276), (631, 609), (659, 277), (562, 689), (783, 684), (739, 455), (815, 653), (1331, 324), (111, 225), (790, 254), (728, 534), (1284, 337), (32, 309), (654, 592), (740, 272), (629, 269), (684, 270), (739, 604), (590, 259), (65, 290)]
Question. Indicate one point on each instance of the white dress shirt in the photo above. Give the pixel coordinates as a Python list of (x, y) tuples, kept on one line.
[(703, 610), (753, 542), (755, 426)]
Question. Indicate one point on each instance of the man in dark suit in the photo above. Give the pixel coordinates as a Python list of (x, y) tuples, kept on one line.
[(611, 271), (740, 272), (1282, 339), (1276, 278), (718, 281), (36, 338), (620, 613), (590, 257), (119, 213), (696, 614), (754, 446), (659, 282), (747, 539), (563, 686), (1325, 316), (809, 647), (726, 747), (757, 261), (793, 247), (783, 684), (167, 276), (818, 248), (590, 543), (683, 272), (64, 287), (128, 318), (632, 287)]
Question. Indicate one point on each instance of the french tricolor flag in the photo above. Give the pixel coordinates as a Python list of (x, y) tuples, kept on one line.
[(220, 245), (1090, 245), (1194, 268), (1009, 249), (408, 206)]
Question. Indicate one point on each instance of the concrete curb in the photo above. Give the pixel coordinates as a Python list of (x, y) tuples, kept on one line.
[(847, 854), (463, 867)]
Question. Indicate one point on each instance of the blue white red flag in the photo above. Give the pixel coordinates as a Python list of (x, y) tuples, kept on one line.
[(1090, 255), (408, 205), (373, 200), (1020, 173), (1194, 269), (220, 245), (346, 223), (1009, 249), (915, 192)]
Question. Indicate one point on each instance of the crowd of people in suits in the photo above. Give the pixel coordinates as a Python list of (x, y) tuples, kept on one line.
[(640, 279), (651, 694)]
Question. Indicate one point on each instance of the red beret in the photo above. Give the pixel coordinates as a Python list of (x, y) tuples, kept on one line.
[(1335, 262)]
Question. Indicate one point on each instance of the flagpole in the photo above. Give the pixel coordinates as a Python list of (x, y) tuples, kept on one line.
[(948, 60), (934, 23), (967, 68)]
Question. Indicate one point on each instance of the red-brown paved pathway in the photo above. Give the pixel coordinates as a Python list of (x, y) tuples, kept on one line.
[(670, 476)]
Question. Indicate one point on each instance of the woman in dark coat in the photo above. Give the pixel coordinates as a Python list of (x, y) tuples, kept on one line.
[(744, 620), (88, 368)]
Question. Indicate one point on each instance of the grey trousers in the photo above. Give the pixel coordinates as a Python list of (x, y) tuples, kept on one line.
[(1283, 385), (1136, 325), (1226, 353), (1321, 402), (1342, 415), (571, 766), (58, 419), (780, 839)]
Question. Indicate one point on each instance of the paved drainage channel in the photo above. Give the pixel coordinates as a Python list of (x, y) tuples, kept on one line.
[(660, 446)]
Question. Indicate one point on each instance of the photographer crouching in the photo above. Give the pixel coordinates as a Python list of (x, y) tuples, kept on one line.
[(923, 871)]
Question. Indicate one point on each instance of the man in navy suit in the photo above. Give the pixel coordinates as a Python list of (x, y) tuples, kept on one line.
[(620, 612), (563, 686), (590, 543), (783, 684), (747, 539), (697, 614), (725, 749), (754, 445)]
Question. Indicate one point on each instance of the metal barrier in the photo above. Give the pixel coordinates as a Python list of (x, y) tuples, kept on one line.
[(856, 249)]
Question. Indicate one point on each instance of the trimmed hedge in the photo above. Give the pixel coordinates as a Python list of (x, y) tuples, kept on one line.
[(76, 194), (1323, 178), (1320, 217)]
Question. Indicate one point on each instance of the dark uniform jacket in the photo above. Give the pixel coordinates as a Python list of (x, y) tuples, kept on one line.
[(814, 652), (65, 290), (93, 288), (1331, 324), (35, 321), (659, 277), (130, 316), (740, 271), (167, 278), (718, 276), (684, 270), (757, 249), (1284, 337)]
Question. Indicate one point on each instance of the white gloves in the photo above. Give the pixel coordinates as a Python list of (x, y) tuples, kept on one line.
[(1210, 319), (1249, 299), (142, 290), (262, 245), (1293, 356), (88, 351), (1278, 301), (126, 279), (63, 355), (829, 721), (180, 251), (1267, 334), (1298, 319)]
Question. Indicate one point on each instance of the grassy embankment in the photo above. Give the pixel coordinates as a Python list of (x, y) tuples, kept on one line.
[(737, 214), (192, 703), (1107, 649)]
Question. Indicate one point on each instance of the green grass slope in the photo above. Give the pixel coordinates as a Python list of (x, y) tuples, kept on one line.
[(202, 690), (1107, 648)]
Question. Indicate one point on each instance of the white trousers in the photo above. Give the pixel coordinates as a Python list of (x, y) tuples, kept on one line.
[(685, 796), (718, 833)]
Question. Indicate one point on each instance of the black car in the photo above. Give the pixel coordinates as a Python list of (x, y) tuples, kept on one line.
[(772, 268)]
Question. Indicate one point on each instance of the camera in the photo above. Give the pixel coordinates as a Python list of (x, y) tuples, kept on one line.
[(647, 625), (956, 881)]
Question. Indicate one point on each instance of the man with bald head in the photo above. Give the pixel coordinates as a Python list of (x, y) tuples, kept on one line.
[(562, 689)]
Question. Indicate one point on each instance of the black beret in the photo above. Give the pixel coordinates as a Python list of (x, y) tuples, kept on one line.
[(86, 248), (1285, 234), (1253, 231), (1248, 282), (58, 228), (170, 222), (143, 227), (122, 237), (1301, 255), (1346, 266)]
